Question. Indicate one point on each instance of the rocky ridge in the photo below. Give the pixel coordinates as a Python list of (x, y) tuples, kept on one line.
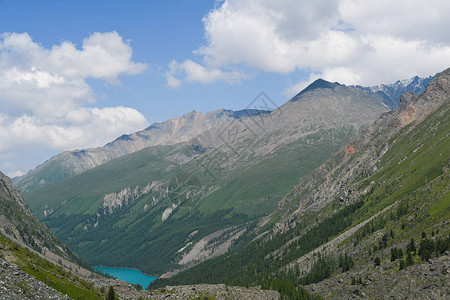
[(390, 94), (173, 131), (292, 140)]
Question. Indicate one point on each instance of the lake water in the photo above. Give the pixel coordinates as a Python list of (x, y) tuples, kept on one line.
[(128, 275)]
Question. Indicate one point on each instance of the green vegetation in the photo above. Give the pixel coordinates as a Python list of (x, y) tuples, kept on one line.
[(49, 273), (255, 262), (111, 294)]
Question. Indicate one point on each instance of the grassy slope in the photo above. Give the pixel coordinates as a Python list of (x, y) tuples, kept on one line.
[(415, 158)]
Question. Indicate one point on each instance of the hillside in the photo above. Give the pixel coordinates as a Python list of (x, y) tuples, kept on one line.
[(188, 202), (18, 223), (33, 263), (374, 215)]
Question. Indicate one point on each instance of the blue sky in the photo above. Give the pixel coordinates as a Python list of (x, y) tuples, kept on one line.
[(78, 74)]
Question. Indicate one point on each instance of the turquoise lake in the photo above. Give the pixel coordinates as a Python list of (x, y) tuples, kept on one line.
[(128, 275)]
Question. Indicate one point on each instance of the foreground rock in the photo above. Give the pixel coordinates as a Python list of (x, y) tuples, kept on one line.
[(15, 284), (217, 291), (429, 280), (214, 291)]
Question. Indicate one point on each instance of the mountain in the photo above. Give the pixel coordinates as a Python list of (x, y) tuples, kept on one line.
[(181, 129), (390, 93), (188, 202), (374, 215)]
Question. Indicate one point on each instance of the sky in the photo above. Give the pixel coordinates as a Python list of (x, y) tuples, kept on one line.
[(78, 74)]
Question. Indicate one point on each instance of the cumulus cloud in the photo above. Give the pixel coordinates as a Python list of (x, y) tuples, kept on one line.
[(85, 127), (351, 41), (194, 72), (43, 93)]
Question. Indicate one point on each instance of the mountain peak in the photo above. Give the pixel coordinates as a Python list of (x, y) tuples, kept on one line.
[(317, 84)]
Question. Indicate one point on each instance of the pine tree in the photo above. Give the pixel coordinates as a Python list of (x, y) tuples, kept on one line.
[(411, 246), (111, 294), (409, 259), (426, 248), (393, 254)]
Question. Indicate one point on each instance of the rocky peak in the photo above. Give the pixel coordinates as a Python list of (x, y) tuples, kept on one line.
[(318, 84)]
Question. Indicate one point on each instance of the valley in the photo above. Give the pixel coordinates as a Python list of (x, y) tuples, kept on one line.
[(300, 200), (151, 201)]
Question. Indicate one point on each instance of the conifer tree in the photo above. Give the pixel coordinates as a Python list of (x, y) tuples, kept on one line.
[(409, 259), (111, 294)]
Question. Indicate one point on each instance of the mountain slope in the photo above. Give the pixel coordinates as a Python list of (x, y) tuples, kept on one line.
[(367, 201), (181, 129), (18, 222), (188, 202), (34, 264)]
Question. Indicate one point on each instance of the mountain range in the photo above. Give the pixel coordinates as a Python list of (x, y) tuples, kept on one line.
[(339, 192), (165, 199), (181, 129)]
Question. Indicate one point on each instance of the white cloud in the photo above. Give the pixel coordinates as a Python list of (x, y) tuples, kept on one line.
[(194, 72), (43, 93), (404, 19), (83, 127), (352, 41)]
